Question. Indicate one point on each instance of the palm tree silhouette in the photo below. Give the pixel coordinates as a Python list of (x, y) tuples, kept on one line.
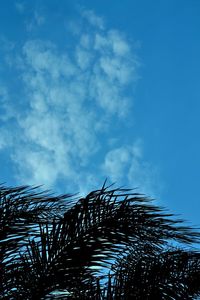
[(113, 244)]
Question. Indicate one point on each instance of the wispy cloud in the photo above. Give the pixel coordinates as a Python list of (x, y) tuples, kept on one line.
[(36, 17), (92, 18), (127, 163), (37, 20), (20, 6), (72, 98)]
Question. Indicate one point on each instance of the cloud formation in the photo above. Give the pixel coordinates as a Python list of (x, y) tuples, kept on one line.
[(126, 163), (72, 97)]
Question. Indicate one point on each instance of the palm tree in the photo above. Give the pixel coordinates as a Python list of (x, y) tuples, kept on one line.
[(113, 244)]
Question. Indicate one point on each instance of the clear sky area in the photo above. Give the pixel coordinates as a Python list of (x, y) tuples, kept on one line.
[(102, 89)]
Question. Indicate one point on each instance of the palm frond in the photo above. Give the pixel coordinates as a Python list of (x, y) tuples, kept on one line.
[(170, 275), (94, 231), (24, 206), (21, 211)]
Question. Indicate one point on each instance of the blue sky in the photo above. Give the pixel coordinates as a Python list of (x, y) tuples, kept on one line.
[(91, 89)]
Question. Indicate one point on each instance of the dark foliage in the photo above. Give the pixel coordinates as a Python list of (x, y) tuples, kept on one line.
[(50, 243)]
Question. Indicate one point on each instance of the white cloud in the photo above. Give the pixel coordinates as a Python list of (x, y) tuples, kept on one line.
[(37, 20), (126, 163), (116, 42), (72, 99), (119, 44), (93, 19), (5, 138), (6, 109), (116, 161), (20, 7)]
